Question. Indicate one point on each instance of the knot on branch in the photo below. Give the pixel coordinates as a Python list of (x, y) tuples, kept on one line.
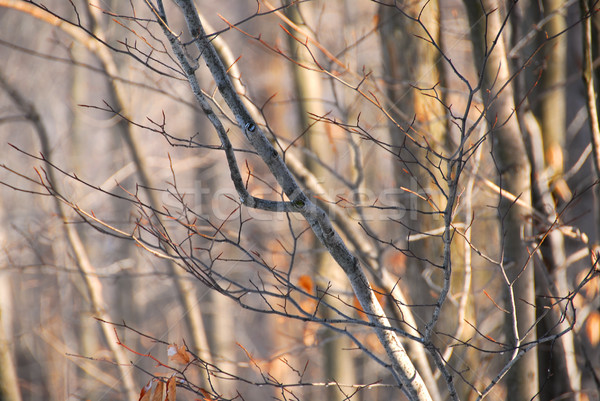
[(250, 127)]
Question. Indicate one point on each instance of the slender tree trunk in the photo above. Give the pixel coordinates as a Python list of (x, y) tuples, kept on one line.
[(419, 122), (337, 362), (418, 117), (590, 86), (220, 313), (9, 378), (559, 374), (86, 268), (514, 177), (553, 97), (185, 291), (86, 337), (9, 382)]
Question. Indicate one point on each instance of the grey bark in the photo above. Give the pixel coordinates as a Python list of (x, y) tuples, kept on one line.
[(402, 311)]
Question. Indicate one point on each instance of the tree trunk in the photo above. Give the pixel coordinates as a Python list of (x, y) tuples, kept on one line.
[(590, 85), (419, 122), (337, 363), (544, 143), (553, 97), (514, 177), (9, 383)]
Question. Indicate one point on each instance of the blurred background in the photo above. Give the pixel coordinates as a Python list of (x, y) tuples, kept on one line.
[(96, 109)]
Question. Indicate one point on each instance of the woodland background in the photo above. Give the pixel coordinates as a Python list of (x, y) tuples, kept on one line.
[(394, 116)]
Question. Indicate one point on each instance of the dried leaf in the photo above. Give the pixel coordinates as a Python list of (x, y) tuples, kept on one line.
[(159, 392), (178, 354), (145, 392), (171, 389), (205, 395), (153, 391)]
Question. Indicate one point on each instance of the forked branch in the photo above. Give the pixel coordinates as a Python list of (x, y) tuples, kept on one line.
[(402, 368)]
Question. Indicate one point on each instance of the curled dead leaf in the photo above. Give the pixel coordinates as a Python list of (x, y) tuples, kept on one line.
[(179, 354), (158, 390)]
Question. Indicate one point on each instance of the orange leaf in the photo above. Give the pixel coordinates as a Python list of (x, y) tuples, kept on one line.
[(205, 395), (144, 391), (178, 355), (159, 393), (153, 391), (306, 283), (157, 390), (171, 389)]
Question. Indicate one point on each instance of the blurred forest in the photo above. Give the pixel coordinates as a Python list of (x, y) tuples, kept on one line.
[(299, 200)]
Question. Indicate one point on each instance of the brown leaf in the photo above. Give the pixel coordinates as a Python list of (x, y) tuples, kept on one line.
[(145, 392), (171, 389), (153, 391), (178, 354), (205, 395)]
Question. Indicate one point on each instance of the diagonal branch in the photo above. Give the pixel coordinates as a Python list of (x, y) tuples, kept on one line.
[(403, 369)]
